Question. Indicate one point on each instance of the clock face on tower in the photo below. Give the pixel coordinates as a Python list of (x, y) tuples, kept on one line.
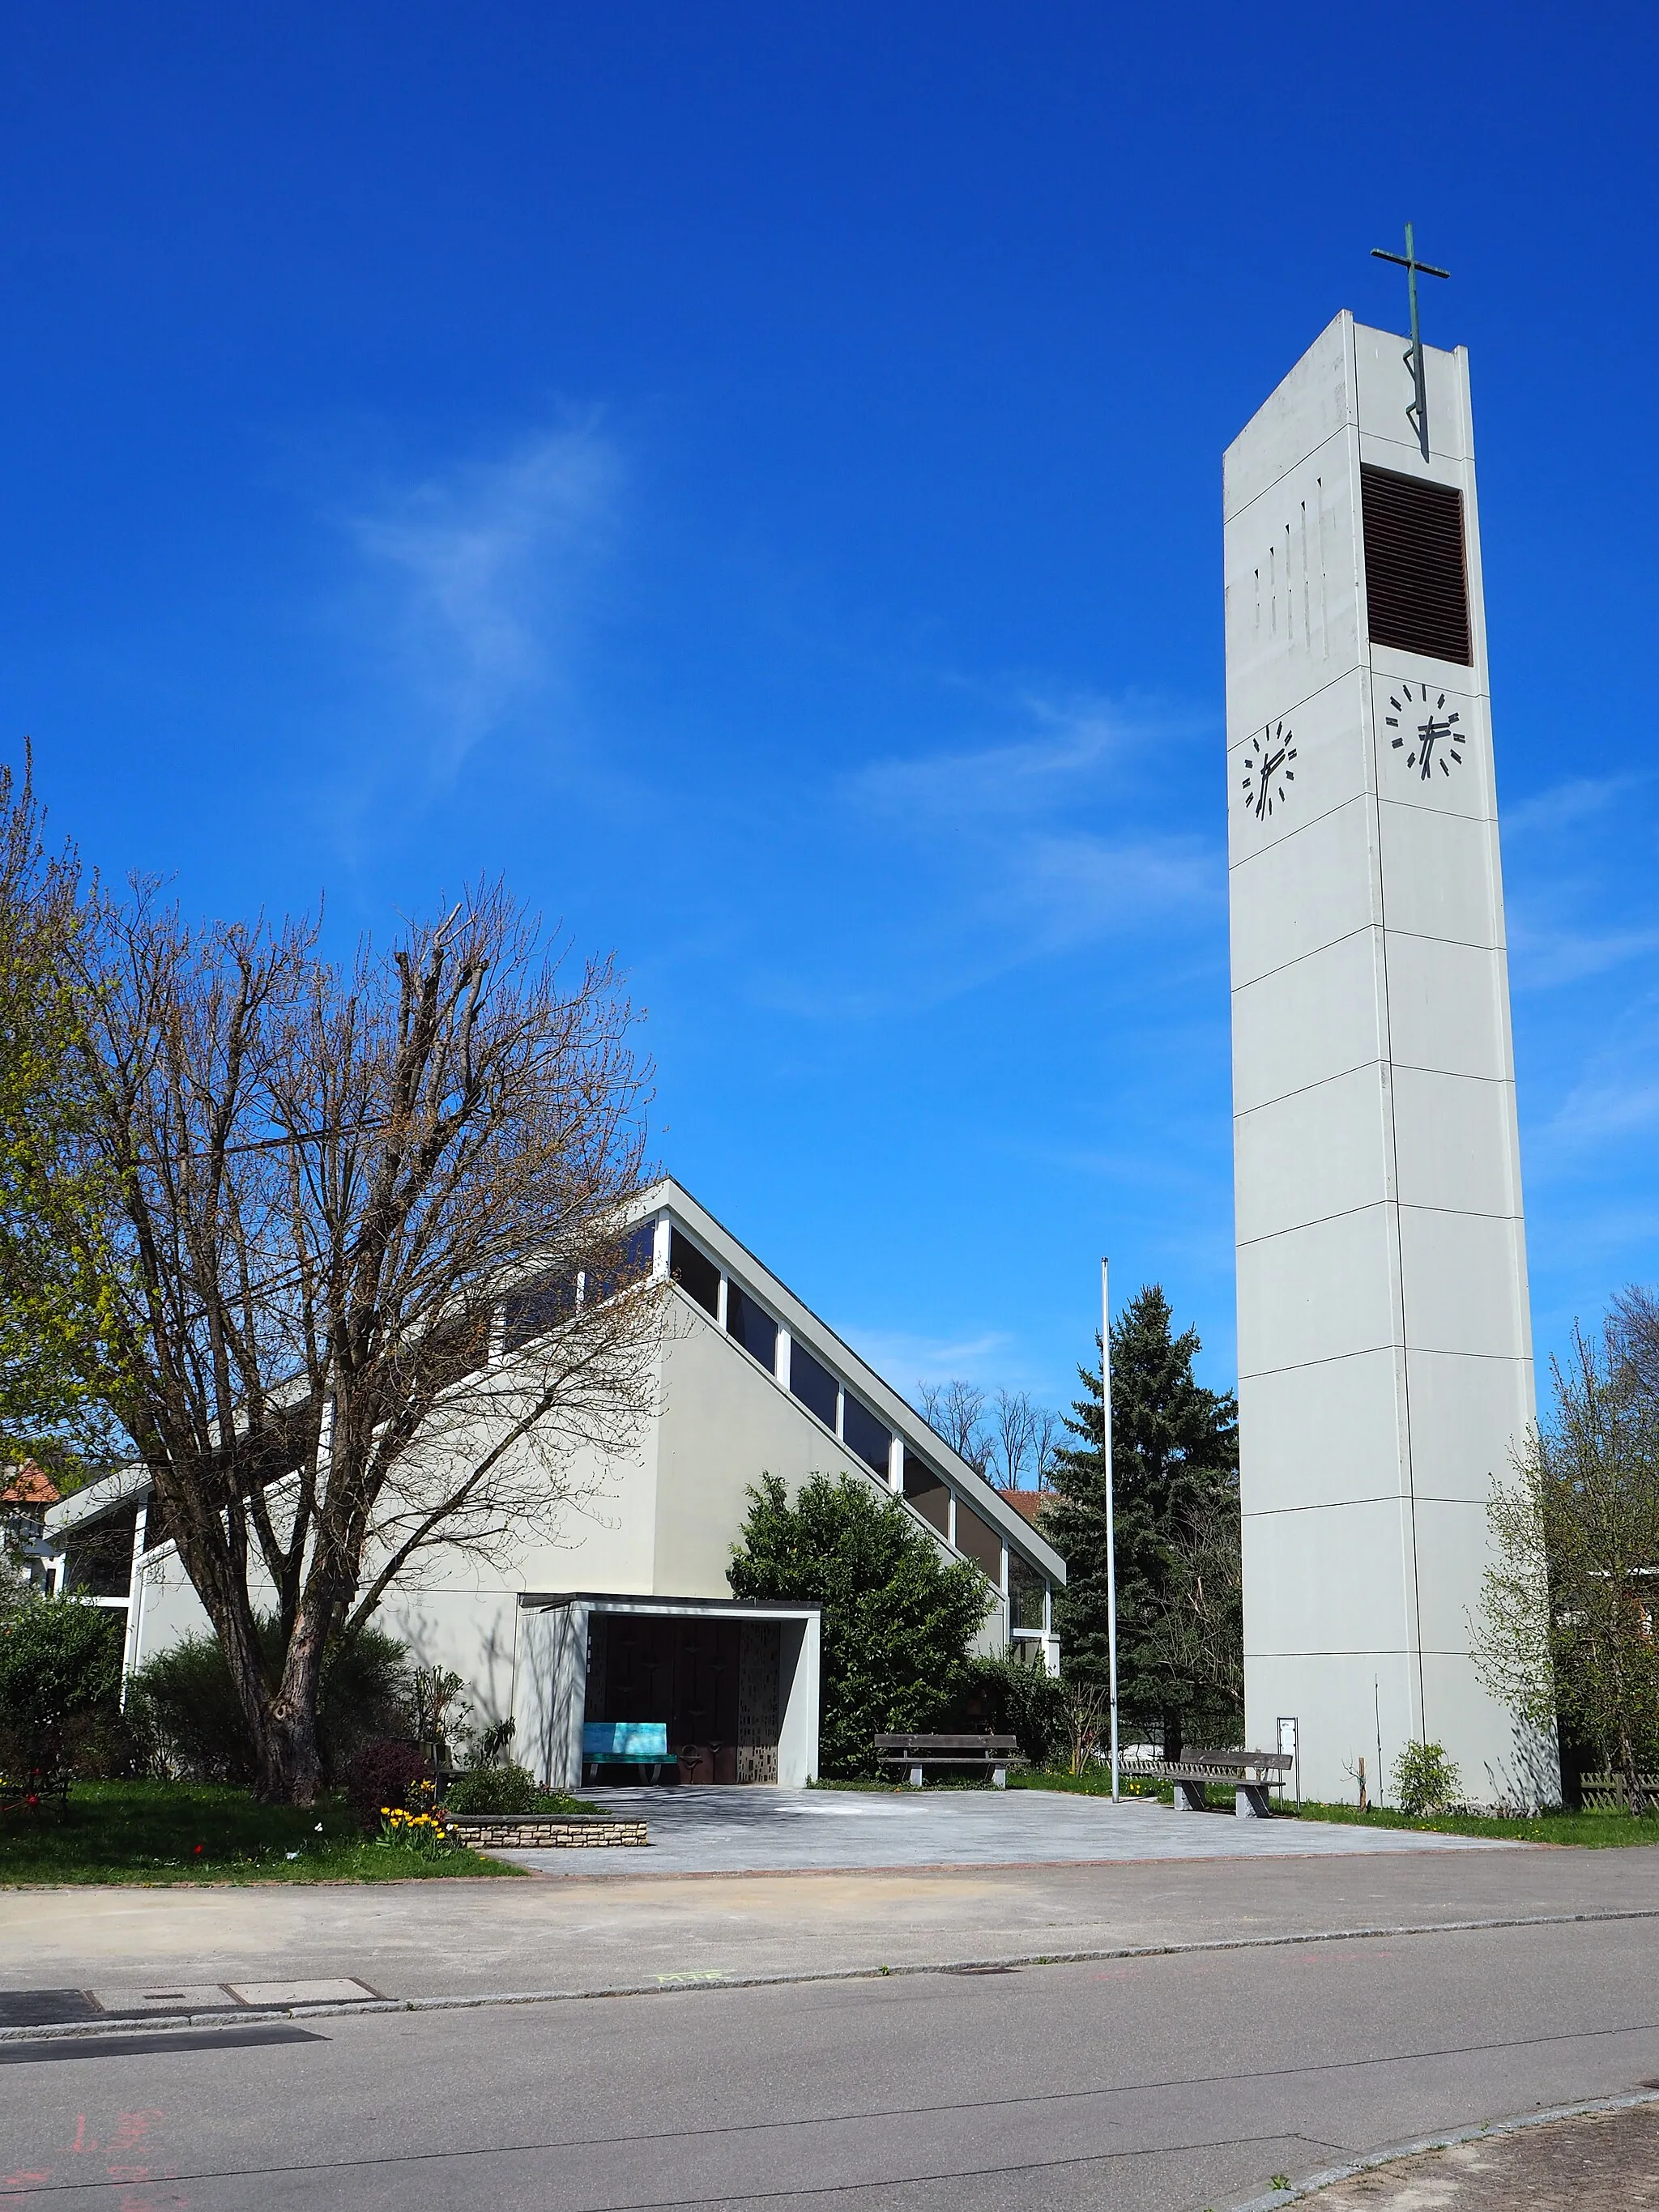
[(1267, 770), (1425, 729)]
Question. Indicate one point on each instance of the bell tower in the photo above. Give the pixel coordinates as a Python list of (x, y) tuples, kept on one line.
[(1384, 1338)]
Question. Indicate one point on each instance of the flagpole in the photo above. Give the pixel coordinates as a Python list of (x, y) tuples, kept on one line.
[(1111, 1535)]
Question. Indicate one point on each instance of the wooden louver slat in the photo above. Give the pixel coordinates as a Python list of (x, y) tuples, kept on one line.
[(1416, 579)]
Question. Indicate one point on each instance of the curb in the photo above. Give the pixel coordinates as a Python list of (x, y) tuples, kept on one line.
[(1301, 2189), (718, 1978)]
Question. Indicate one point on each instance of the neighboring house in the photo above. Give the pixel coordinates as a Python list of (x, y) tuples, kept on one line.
[(628, 1615), (24, 1498)]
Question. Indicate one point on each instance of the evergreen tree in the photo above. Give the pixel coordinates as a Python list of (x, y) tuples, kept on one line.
[(898, 1619), (1174, 1457)]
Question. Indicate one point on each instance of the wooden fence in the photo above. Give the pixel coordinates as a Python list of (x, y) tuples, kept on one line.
[(1605, 1793)]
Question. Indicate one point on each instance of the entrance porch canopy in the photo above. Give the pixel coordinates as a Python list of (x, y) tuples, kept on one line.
[(735, 1682)]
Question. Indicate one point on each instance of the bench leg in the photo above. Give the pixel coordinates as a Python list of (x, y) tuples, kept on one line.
[(1189, 1796), (1250, 1802), (998, 1778), (915, 1778)]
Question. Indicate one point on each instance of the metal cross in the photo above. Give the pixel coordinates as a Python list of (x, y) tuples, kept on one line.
[(1418, 413)]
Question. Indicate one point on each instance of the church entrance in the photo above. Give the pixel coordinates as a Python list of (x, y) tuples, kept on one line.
[(713, 1683)]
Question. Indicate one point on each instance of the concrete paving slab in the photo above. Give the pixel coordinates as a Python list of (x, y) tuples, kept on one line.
[(162, 1997), (338, 1989), (709, 1830)]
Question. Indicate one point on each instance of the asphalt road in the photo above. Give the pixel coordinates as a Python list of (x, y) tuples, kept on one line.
[(1178, 2082)]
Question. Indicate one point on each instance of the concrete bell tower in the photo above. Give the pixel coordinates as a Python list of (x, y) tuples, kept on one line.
[(1384, 1340)]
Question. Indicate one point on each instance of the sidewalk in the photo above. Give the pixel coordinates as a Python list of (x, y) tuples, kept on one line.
[(458, 1939)]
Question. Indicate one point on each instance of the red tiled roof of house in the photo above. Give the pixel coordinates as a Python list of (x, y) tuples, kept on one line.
[(29, 1486), (1028, 1504)]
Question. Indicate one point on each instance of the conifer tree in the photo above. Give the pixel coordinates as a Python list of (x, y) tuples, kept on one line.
[(1174, 1453)]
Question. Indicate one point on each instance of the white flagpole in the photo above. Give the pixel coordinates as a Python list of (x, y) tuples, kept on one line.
[(1111, 1534)]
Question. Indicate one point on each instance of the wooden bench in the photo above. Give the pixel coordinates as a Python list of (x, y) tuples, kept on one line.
[(918, 1753), (625, 1743), (1251, 1774)]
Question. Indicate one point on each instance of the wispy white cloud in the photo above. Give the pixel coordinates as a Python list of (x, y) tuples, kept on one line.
[(1562, 804), (477, 573), (1606, 1107), (993, 856), (905, 1361), (1072, 739), (1541, 958)]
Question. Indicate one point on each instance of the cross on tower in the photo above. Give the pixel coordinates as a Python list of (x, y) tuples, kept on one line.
[(1418, 413)]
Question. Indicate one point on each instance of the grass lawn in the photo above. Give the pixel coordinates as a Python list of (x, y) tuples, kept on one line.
[(1596, 1831), (201, 1832)]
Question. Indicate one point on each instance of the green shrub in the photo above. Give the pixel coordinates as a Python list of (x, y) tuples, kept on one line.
[(183, 1705), (60, 1682), (1007, 1696), (494, 1789), (897, 1617), (1425, 1779)]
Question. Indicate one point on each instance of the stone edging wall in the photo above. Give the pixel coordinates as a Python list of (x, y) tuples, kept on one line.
[(485, 1832)]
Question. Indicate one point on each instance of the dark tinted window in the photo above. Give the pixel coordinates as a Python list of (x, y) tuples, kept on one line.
[(634, 1261), (927, 1493), (697, 1274), (1416, 586), (863, 1433), (101, 1557), (980, 1541), (1025, 1587), (540, 1306), (813, 1385), (752, 1325)]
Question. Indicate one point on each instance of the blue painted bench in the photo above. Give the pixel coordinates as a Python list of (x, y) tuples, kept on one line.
[(625, 1743)]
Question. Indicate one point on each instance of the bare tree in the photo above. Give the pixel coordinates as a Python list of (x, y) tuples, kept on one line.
[(1023, 1439), (1013, 1427), (370, 1286), (954, 1410), (1088, 1720)]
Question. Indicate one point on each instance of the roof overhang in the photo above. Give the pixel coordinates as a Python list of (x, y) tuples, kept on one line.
[(722, 1608)]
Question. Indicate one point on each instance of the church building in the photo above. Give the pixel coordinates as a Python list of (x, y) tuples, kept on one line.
[(628, 1615)]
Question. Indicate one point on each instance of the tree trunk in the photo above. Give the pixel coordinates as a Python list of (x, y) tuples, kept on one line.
[(291, 1764), (1629, 1767), (290, 1767), (283, 1728)]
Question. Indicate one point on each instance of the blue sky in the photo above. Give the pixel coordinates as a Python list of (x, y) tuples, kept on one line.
[(753, 476)]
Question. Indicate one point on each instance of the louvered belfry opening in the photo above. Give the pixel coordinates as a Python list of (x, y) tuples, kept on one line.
[(1416, 580)]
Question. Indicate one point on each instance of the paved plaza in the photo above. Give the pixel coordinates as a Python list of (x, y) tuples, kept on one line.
[(715, 1831)]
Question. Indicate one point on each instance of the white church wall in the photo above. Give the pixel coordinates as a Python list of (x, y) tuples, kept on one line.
[(724, 1423)]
